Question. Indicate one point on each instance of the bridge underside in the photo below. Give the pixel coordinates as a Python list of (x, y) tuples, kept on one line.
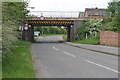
[(70, 19), (50, 22), (72, 27)]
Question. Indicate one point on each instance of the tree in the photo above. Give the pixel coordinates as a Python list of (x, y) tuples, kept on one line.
[(50, 29), (94, 27), (13, 14), (114, 23), (114, 6), (91, 28)]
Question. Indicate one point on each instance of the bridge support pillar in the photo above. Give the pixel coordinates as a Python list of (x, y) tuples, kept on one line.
[(25, 35), (28, 35), (31, 34), (72, 30), (72, 37), (77, 25), (68, 33)]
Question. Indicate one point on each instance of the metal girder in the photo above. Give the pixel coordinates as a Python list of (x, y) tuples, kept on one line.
[(50, 22)]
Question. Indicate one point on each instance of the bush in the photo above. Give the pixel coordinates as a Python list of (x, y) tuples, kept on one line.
[(13, 15), (50, 30), (81, 34), (114, 21), (111, 29)]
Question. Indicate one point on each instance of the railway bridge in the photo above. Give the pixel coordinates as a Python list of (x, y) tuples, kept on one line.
[(69, 19)]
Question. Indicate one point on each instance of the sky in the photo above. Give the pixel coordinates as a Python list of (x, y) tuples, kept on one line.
[(66, 5)]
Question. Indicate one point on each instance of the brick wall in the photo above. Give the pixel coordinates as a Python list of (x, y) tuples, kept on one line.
[(110, 38)]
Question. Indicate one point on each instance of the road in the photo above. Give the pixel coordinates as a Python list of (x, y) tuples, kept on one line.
[(53, 59)]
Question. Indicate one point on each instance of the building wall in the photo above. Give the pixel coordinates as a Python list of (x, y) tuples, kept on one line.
[(94, 17), (110, 38)]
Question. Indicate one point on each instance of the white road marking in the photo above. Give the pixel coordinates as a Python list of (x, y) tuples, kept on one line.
[(102, 66), (55, 48), (64, 52), (70, 54)]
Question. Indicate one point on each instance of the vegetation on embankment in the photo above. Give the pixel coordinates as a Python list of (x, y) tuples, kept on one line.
[(44, 35), (16, 56), (50, 29), (112, 23), (92, 40), (13, 14), (65, 37), (18, 63), (91, 28)]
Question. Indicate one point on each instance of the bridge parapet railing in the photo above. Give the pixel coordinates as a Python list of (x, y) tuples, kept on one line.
[(56, 14), (47, 18)]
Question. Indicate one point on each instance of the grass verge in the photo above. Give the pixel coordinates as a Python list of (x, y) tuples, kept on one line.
[(92, 40), (18, 63), (65, 37), (44, 35)]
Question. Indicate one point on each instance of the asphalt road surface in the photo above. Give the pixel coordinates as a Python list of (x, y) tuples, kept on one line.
[(53, 59)]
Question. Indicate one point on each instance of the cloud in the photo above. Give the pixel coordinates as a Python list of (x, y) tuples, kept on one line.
[(67, 5)]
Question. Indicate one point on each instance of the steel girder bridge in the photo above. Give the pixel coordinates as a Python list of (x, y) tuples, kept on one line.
[(70, 19)]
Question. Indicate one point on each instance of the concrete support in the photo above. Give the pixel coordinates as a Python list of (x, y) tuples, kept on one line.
[(72, 30), (28, 35), (25, 35), (72, 38), (77, 25), (68, 33), (31, 34)]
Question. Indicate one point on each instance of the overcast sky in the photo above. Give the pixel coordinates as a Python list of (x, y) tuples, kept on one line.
[(67, 5)]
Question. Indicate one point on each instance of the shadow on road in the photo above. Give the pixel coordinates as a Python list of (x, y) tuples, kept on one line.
[(61, 41)]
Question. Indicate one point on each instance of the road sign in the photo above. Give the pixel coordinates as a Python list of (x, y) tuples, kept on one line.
[(42, 18), (26, 27)]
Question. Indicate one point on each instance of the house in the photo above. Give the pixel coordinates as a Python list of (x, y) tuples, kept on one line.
[(81, 15), (95, 13)]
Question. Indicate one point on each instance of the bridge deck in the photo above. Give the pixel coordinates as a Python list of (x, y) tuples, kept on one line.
[(52, 21), (46, 18)]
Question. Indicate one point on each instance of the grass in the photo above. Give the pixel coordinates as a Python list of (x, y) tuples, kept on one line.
[(65, 37), (0, 68), (18, 63), (36, 38), (92, 40), (44, 35)]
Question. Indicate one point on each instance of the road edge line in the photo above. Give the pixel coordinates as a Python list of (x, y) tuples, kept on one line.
[(92, 50)]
